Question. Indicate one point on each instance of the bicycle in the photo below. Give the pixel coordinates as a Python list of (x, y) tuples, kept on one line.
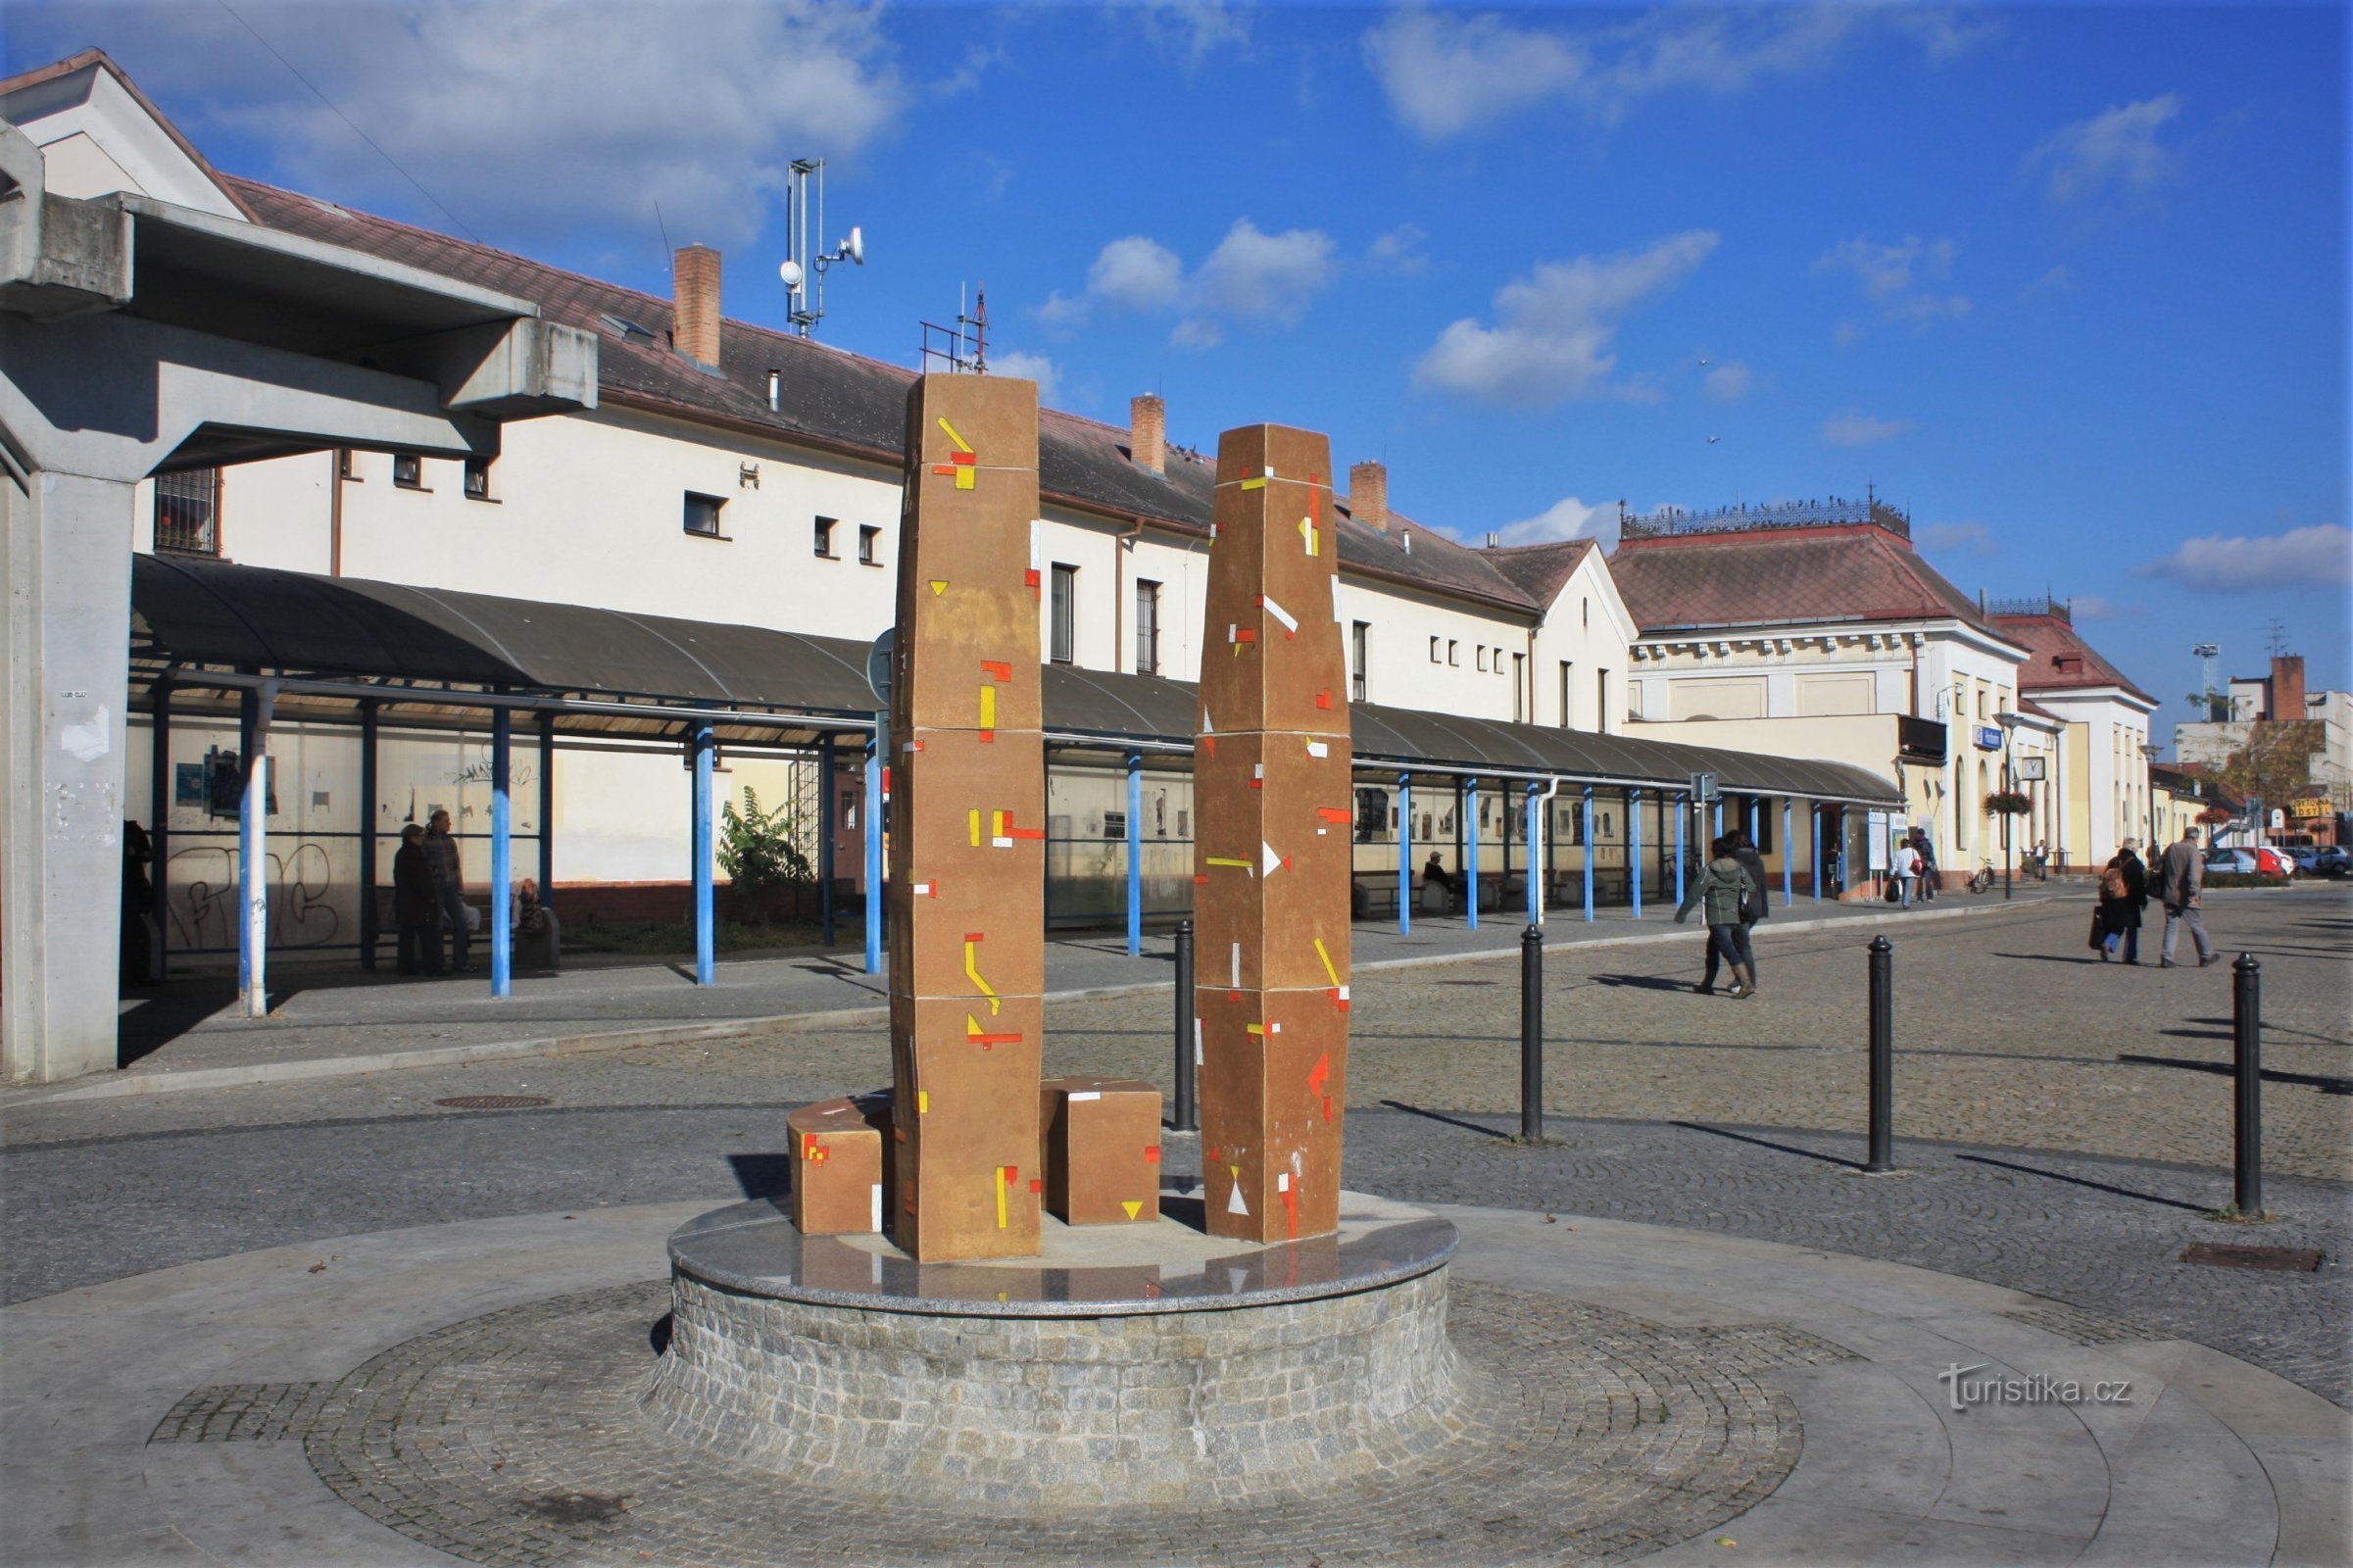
[(1983, 880)]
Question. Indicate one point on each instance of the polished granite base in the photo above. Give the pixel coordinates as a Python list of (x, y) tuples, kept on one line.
[(1126, 1364)]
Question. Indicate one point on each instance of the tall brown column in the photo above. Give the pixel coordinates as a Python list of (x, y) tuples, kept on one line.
[(1272, 850), (967, 826)]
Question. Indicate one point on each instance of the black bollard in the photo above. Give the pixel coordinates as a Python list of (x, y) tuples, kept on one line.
[(2247, 1062), (1531, 1035), (1184, 1120), (1882, 1055)]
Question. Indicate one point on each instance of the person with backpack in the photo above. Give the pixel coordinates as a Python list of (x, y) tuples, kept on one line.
[(2124, 895), (1717, 891), (1906, 868)]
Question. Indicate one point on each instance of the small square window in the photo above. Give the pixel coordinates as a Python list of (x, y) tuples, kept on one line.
[(407, 470), (823, 534), (1432, 650), (703, 514), (1453, 652), (867, 538), (477, 480), (1481, 655)]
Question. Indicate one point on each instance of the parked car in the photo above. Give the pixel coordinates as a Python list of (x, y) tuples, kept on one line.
[(2273, 862), (2234, 863), (2332, 859), (2307, 859)]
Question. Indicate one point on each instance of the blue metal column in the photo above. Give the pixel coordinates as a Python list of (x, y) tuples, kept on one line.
[(547, 810), (1135, 853), (1755, 804), (1404, 853), (367, 816), (501, 851), (1717, 831), (873, 827), (705, 937), (1536, 865), (1589, 851), (1786, 852), (253, 845), (159, 832), (1683, 812), (1814, 814), (1470, 860), (825, 832), (1633, 849)]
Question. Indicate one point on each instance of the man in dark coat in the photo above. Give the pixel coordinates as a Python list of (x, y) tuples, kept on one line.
[(1753, 908), (1928, 863), (414, 906), (2124, 895)]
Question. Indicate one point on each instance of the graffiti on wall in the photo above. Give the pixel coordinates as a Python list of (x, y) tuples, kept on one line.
[(204, 905)]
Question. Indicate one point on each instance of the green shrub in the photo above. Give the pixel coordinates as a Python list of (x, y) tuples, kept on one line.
[(758, 849), (2243, 879)]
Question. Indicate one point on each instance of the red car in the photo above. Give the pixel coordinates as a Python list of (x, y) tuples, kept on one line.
[(2273, 862)]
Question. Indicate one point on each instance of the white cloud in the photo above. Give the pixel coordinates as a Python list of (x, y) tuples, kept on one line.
[(2117, 148), (1445, 73), (1555, 326), (1398, 253), (1263, 276), (1191, 31), (2054, 282), (1251, 275), (1030, 368), (1973, 537), (1892, 275), (2318, 557), (2093, 607), (1728, 383), (1851, 427), (539, 120), (1566, 519)]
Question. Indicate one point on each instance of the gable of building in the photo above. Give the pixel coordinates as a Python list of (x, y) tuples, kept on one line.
[(99, 134)]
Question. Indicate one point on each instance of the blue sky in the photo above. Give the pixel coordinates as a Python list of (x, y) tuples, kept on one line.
[(2068, 283)]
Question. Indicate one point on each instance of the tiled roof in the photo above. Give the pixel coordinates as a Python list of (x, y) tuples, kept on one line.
[(838, 401), (1782, 576), (1540, 570), (2058, 659)]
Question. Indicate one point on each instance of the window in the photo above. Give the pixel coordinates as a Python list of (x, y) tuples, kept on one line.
[(1481, 655), (867, 533), (1148, 627), (1432, 650), (1453, 652), (1981, 702), (1358, 635), (824, 538), (1066, 615), (1585, 609), (407, 470), (1519, 688), (187, 512), (703, 514), (1601, 700), (477, 480), (1568, 696)]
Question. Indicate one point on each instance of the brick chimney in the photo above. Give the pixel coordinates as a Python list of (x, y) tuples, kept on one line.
[(1148, 433), (2287, 686), (695, 332), (1368, 494)]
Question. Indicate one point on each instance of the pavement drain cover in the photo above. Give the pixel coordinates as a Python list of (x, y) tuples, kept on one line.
[(495, 1101), (2288, 1259)]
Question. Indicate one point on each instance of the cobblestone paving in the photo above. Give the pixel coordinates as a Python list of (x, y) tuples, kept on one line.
[(515, 1439)]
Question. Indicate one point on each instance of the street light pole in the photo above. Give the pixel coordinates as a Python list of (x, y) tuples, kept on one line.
[(2009, 724)]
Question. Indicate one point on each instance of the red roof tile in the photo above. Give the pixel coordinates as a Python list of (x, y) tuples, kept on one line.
[(2058, 659), (1779, 576)]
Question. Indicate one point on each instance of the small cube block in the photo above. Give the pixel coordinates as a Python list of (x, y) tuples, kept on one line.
[(838, 1165), (1102, 1148)]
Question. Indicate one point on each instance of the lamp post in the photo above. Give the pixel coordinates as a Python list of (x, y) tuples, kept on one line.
[(2009, 723)]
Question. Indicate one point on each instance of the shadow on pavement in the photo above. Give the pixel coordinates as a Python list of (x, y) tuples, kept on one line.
[(762, 1175), (2324, 1083), (2078, 1181), (1767, 1143), (1451, 1121)]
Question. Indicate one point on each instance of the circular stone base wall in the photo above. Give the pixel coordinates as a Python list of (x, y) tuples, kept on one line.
[(1186, 1399)]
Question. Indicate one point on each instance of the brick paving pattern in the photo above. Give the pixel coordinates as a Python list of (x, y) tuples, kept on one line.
[(516, 1439)]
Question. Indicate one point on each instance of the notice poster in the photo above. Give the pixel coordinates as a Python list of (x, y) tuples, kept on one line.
[(1880, 821)]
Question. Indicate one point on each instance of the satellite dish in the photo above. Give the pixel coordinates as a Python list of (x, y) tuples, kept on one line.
[(790, 271), (854, 247)]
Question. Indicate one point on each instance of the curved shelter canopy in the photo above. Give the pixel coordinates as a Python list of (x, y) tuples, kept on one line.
[(337, 642)]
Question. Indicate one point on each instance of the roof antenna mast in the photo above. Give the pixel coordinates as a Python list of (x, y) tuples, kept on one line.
[(806, 260), (963, 347)]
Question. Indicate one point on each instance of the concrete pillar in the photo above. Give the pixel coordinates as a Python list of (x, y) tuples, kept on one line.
[(66, 543)]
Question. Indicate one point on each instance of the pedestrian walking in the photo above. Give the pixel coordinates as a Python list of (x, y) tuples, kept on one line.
[(1927, 851), (1754, 906), (2181, 884), (415, 909), (1718, 892), (448, 887), (2124, 895), (1906, 869)]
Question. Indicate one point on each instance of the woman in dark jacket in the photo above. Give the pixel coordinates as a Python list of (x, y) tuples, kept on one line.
[(1718, 893), (414, 906), (2123, 898)]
